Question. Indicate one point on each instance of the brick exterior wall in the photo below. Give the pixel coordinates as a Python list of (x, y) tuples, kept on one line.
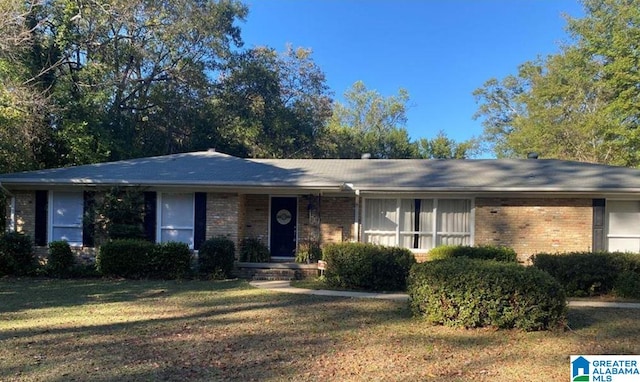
[(531, 226), (254, 217), (528, 225), (223, 218), (25, 212), (309, 219), (337, 219)]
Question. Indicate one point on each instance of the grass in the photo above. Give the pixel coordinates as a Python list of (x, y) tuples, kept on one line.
[(76, 330)]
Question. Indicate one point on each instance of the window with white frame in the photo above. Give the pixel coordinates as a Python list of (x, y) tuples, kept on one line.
[(623, 222), (176, 217), (65, 217), (417, 223)]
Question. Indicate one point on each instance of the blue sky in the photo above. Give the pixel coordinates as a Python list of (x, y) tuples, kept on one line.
[(440, 51)]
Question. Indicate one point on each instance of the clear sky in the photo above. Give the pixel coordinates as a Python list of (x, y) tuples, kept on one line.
[(440, 51)]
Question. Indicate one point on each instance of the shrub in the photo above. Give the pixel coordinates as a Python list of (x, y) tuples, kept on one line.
[(171, 260), (253, 251), (17, 257), (85, 271), (308, 252), (119, 214), (367, 266), (216, 257), (128, 258), (627, 285), (470, 293), (484, 252), (60, 259), (588, 273)]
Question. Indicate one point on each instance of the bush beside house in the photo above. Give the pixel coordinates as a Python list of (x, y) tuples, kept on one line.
[(17, 257), (216, 257), (60, 260), (170, 260), (367, 266), (483, 252), (470, 293), (592, 274), (254, 251), (130, 258)]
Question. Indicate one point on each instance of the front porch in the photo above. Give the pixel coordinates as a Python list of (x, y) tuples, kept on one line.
[(275, 271)]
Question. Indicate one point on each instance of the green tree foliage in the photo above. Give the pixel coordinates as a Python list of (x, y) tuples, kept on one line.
[(443, 147), (121, 78), (119, 214), (369, 123), (24, 103), (580, 104), (269, 104)]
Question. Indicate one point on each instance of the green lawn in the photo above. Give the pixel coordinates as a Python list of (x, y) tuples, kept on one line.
[(99, 330)]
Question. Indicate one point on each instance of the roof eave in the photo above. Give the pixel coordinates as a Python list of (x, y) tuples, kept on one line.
[(145, 183)]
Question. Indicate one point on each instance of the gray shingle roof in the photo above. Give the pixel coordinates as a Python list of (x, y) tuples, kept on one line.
[(214, 169)]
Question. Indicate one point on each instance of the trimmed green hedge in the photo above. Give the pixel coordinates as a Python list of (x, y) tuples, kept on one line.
[(60, 259), (483, 252), (367, 266), (170, 260), (132, 258), (17, 257), (129, 258), (469, 293), (216, 257), (593, 273)]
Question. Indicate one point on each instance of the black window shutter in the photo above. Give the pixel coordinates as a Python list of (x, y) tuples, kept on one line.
[(88, 219), (598, 225), (150, 216), (200, 220), (41, 217)]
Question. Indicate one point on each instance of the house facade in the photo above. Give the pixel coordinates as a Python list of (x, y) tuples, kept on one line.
[(531, 205)]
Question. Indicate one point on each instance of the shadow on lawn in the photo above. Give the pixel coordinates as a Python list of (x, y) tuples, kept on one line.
[(195, 330), (209, 331), (23, 294)]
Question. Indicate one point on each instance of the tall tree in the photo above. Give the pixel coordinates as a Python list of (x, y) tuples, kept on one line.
[(126, 78), (369, 123), (580, 104), (24, 95), (443, 147), (269, 104)]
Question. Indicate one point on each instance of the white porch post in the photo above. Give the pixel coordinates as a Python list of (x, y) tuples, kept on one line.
[(356, 224)]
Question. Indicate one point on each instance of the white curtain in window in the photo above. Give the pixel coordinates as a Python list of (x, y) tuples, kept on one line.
[(453, 222), (426, 224), (380, 217), (176, 217), (624, 225), (407, 223), (66, 217)]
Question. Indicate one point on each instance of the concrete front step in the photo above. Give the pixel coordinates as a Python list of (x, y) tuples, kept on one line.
[(275, 271), (274, 274)]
